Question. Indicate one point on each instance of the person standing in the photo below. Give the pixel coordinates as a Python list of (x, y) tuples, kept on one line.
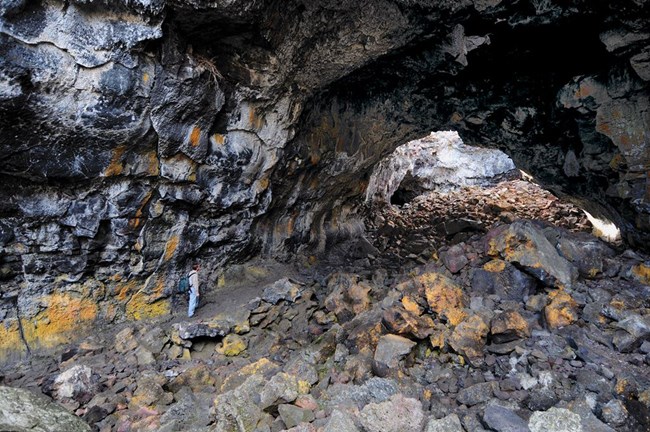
[(194, 290)]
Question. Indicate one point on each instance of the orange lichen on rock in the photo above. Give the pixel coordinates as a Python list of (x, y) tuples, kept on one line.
[(123, 290), (444, 297), (115, 167), (255, 121), (219, 139), (64, 316), (495, 266), (438, 339), (153, 163), (468, 339), (411, 305), (137, 219), (561, 310), (195, 136), (366, 337), (641, 272), (508, 326), (624, 386), (171, 246)]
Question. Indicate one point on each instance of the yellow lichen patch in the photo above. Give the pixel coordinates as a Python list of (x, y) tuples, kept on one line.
[(197, 377), (145, 78), (303, 387), (259, 366), (508, 248), (641, 273), (140, 307), (437, 339), (232, 345), (495, 266), (367, 337), (242, 327), (455, 316), (469, 338), (493, 250), (624, 386), (10, 341), (411, 306), (63, 317), (115, 167), (171, 246), (195, 136), (561, 310), (219, 138), (443, 296)]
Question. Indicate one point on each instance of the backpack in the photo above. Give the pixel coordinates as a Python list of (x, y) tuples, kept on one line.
[(184, 284)]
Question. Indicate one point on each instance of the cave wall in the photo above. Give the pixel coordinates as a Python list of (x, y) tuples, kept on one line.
[(559, 90), (137, 136)]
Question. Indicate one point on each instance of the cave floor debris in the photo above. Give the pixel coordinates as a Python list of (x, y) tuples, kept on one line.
[(457, 312)]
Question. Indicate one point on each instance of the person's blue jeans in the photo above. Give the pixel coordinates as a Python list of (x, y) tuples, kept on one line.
[(193, 302)]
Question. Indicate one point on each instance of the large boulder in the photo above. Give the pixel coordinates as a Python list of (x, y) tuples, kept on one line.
[(21, 410), (524, 244)]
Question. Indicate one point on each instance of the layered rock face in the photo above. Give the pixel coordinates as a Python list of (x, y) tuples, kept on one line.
[(139, 134)]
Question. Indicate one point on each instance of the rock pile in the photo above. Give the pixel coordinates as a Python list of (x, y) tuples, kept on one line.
[(529, 327), (434, 219)]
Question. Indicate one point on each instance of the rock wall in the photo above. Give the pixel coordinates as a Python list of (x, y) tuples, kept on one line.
[(139, 135)]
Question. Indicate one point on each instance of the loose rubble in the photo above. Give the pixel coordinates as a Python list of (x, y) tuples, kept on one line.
[(518, 328)]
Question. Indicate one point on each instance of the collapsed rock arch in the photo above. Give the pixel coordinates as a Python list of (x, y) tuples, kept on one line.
[(561, 96)]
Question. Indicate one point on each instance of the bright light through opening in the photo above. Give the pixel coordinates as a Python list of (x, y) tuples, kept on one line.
[(604, 229)]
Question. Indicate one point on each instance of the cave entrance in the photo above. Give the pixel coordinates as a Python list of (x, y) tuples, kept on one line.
[(438, 162), (436, 191)]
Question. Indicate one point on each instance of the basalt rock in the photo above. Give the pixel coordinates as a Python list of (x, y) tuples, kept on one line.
[(23, 410), (137, 134)]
